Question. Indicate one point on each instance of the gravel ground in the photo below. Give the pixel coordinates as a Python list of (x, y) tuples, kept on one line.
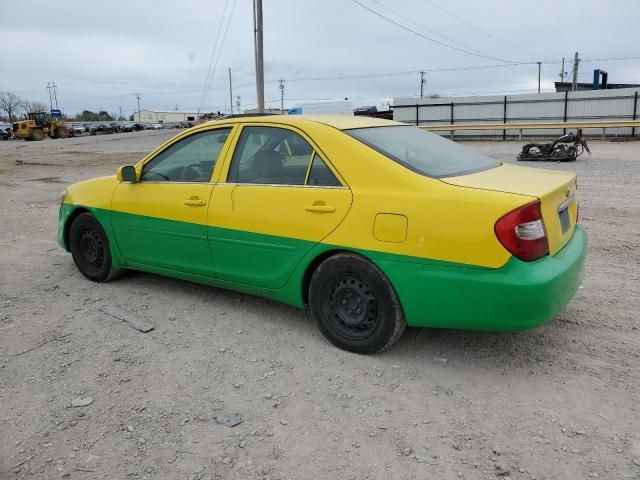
[(559, 402)]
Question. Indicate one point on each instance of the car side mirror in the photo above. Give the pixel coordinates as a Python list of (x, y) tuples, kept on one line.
[(127, 174)]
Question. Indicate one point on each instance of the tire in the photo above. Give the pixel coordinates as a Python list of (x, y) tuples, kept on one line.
[(339, 290), (89, 247), (62, 132), (37, 134)]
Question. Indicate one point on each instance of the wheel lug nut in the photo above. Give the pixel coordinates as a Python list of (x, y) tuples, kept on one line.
[(344, 302)]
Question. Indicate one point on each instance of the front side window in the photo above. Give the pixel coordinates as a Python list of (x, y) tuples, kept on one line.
[(423, 152), (270, 155), (191, 159)]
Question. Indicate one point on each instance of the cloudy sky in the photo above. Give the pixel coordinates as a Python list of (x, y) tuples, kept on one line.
[(101, 53)]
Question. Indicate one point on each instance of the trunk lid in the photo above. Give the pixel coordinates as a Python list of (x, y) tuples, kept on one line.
[(555, 189)]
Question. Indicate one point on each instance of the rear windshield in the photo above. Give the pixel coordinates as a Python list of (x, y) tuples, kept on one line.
[(423, 152)]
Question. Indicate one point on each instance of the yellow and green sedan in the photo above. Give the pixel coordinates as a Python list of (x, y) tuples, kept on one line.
[(375, 225)]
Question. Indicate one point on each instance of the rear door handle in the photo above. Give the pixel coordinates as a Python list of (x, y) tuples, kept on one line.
[(195, 202), (320, 208)]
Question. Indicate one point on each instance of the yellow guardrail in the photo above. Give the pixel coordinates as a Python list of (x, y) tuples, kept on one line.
[(531, 126)]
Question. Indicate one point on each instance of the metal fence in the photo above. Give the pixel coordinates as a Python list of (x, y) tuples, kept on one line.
[(592, 105)]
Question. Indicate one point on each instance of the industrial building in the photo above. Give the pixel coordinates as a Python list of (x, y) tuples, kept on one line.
[(579, 106), (165, 116)]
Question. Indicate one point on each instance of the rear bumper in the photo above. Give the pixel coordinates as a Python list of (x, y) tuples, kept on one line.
[(518, 296)]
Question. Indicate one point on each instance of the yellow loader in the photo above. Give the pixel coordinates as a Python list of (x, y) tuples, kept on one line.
[(38, 125)]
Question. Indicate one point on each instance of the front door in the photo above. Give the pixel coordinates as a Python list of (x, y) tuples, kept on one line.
[(160, 221), (279, 200)]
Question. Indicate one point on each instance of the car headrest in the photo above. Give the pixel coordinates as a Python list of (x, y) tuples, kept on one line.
[(268, 164)]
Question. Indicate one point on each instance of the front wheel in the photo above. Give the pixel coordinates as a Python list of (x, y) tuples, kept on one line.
[(90, 249), (354, 305), (62, 132), (37, 134)]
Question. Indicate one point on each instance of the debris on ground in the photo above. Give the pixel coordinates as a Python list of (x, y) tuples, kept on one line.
[(81, 401), (230, 420), (135, 322)]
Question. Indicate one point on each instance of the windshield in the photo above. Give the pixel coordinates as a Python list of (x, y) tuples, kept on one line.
[(423, 152)]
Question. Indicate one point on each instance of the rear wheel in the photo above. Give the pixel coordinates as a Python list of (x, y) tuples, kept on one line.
[(62, 132), (37, 134), (90, 249), (354, 305)]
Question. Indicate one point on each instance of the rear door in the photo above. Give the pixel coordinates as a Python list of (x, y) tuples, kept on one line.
[(280, 198)]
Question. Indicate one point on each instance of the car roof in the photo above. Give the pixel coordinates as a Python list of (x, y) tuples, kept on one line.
[(341, 122)]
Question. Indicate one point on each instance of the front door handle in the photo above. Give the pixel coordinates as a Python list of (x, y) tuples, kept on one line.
[(320, 208), (195, 202)]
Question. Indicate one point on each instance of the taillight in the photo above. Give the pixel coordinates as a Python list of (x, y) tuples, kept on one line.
[(522, 232)]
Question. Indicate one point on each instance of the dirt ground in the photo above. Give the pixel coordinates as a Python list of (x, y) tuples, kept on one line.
[(559, 402)]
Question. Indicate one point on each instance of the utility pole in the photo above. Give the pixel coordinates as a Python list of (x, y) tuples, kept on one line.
[(53, 96), (281, 86), (138, 97), (539, 68), (50, 97), (257, 26), (562, 72), (120, 117), (423, 82), (230, 93), (576, 61)]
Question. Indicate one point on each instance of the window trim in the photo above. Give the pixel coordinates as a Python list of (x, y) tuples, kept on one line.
[(163, 148), (224, 175), (306, 179)]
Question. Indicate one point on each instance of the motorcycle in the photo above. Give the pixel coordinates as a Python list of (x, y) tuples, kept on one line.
[(564, 149)]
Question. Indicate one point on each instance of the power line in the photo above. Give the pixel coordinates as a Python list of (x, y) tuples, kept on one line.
[(404, 27), (215, 65), (213, 54), (610, 59), (413, 72), (425, 27), (475, 27)]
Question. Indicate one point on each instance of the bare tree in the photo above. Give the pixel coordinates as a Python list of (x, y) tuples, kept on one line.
[(10, 103), (33, 107)]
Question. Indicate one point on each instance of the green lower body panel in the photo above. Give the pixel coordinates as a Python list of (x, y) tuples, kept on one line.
[(518, 296)]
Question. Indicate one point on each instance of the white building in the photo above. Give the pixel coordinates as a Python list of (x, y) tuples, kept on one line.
[(165, 116)]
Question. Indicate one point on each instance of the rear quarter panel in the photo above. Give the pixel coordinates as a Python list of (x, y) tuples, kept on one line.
[(444, 222)]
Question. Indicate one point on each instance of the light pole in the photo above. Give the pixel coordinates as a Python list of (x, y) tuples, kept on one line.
[(539, 68), (282, 96)]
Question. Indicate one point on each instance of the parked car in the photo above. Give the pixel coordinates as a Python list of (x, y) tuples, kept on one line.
[(102, 128), (374, 224), (5, 131), (76, 128)]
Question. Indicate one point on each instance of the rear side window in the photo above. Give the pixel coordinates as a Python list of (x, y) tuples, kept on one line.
[(423, 152), (320, 175), (270, 156)]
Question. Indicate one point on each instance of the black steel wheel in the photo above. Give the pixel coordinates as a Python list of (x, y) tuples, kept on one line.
[(90, 249), (354, 305)]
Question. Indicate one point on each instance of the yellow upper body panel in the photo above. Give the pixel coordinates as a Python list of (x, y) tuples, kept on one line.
[(552, 187), (449, 219)]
